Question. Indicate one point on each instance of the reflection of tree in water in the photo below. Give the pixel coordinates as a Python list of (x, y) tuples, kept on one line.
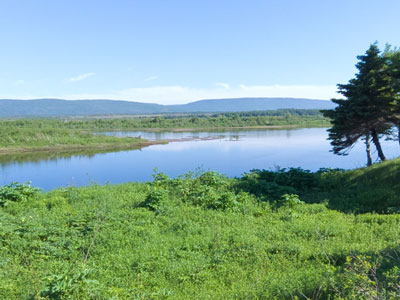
[(37, 157)]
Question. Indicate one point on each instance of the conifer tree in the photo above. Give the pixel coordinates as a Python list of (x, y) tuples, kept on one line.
[(368, 108), (393, 57)]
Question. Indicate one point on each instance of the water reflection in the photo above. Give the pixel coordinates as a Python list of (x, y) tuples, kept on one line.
[(40, 157), (172, 135), (229, 152)]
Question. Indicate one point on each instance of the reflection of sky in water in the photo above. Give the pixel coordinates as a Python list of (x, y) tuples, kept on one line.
[(233, 154), (227, 134)]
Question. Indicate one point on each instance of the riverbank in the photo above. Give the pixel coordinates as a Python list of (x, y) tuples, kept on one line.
[(272, 235), (214, 129), (129, 143), (89, 147), (47, 135)]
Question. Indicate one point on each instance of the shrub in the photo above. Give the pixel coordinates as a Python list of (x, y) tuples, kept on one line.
[(226, 201), (69, 285), (16, 192), (291, 200), (213, 179), (263, 184), (155, 198), (361, 279)]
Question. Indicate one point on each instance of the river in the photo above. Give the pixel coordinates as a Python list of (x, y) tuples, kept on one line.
[(229, 152)]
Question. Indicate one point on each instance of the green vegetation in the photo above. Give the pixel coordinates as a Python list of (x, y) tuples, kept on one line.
[(56, 134), (49, 135), (289, 234), (284, 234), (372, 106), (29, 138), (287, 117)]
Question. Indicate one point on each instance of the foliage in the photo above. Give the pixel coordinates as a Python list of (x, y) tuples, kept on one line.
[(273, 185), (206, 236), (16, 192), (360, 280), (69, 285), (155, 199), (291, 200), (371, 104), (360, 190)]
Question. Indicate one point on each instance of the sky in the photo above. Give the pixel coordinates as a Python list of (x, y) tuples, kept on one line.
[(178, 51)]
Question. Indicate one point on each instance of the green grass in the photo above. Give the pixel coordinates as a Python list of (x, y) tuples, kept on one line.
[(206, 236), (15, 139)]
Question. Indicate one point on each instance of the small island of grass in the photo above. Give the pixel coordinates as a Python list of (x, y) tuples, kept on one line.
[(68, 134)]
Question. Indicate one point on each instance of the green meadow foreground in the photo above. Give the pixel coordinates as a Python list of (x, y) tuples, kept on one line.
[(59, 135), (289, 234)]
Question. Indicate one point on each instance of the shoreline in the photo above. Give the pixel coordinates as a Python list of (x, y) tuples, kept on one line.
[(100, 147), (194, 129), (69, 148), (132, 146)]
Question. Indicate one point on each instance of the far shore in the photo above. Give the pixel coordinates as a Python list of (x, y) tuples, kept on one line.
[(70, 148), (194, 129), (63, 148)]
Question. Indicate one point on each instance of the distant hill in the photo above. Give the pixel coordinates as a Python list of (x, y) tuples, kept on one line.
[(251, 104), (58, 107)]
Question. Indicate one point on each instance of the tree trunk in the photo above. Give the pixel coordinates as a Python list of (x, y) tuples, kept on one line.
[(375, 139), (398, 133), (368, 149)]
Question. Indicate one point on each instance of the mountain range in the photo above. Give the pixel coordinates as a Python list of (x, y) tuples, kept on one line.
[(58, 107)]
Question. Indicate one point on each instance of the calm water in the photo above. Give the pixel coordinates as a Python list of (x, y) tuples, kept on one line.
[(229, 152)]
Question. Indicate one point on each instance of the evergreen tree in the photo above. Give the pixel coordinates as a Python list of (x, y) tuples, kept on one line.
[(393, 57), (346, 129), (368, 108)]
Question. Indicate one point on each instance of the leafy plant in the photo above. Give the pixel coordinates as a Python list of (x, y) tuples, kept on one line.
[(155, 199), (69, 285), (17, 192), (291, 200)]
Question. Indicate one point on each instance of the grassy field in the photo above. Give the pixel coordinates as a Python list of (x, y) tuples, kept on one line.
[(290, 234)]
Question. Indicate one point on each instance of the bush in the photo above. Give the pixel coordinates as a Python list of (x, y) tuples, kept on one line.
[(69, 285), (361, 280), (155, 199), (16, 192), (262, 183), (291, 200)]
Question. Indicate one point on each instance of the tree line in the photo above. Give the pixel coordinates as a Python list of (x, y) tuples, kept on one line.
[(284, 117), (370, 109)]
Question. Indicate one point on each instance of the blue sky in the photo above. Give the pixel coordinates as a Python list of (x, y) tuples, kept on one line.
[(180, 51)]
